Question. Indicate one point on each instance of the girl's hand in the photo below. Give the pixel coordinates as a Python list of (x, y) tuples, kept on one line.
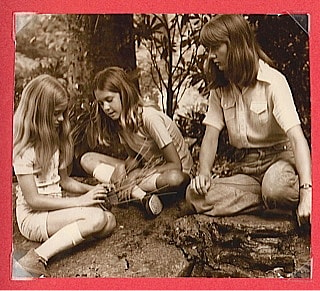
[(304, 207), (201, 184), (93, 197)]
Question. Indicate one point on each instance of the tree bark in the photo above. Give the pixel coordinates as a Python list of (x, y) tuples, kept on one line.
[(98, 41), (242, 246)]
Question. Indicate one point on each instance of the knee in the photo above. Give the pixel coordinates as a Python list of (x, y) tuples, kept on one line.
[(85, 161), (280, 186), (110, 224), (177, 179), (194, 202), (189, 194), (111, 221), (96, 219)]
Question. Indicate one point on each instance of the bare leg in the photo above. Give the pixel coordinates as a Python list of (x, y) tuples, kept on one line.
[(90, 219), (173, 180), (69, 227), (89, 161)]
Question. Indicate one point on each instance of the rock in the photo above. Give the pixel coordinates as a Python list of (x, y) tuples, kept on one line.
[(243, 246)]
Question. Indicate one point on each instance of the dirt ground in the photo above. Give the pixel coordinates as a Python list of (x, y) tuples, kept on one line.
[(137, 248)]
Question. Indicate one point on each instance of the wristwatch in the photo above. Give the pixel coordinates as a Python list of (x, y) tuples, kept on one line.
[(305, 186)]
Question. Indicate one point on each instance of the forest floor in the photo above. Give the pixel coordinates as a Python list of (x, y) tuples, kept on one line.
[(138, 247)]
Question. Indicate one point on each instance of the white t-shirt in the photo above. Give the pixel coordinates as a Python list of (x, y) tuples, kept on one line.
[(47, 183)]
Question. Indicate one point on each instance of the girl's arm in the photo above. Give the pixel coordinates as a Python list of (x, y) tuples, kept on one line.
[(202, 181), (169, 153), (44, 202), (71, 185), (172, 159), (303, 165)]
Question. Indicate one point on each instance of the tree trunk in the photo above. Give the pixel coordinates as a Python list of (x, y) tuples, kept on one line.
[(112, 41), (96, 42)]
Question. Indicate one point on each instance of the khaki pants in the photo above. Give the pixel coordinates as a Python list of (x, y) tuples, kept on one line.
[(262, 178)]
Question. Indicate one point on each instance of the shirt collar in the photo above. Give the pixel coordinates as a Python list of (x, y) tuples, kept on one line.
[(264, 72)]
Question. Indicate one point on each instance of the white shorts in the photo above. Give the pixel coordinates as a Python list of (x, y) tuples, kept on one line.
[(32, 224)]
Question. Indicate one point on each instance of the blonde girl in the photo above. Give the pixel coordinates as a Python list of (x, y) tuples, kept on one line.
[(42, 151), (147, 134), (254, 102)]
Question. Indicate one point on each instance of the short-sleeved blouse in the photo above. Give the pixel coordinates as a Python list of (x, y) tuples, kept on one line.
[(257, 116), (157, 131)]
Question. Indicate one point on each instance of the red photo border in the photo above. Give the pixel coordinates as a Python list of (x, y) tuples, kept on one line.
[(7, 51)]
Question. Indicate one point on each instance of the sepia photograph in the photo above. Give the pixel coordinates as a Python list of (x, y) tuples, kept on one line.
[(161, 146)]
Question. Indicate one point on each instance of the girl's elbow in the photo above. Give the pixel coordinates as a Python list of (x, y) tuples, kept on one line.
[(68, 184), (35, 201), (64, 182), (34, 204)]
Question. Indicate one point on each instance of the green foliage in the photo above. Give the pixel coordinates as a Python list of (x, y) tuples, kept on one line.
[(45, 36), (41, 47), (190, 124), (173, 43)]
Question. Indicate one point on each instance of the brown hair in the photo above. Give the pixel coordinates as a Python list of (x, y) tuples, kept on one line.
[(243, 50)]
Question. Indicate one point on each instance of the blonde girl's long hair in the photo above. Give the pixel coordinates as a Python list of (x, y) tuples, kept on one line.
[(34, 122), (243, 50), (116, 80)]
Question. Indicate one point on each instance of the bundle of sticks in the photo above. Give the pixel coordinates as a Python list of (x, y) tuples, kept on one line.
[(120, 191)]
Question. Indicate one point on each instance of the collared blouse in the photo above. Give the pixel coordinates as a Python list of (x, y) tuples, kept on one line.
[(256, 116)]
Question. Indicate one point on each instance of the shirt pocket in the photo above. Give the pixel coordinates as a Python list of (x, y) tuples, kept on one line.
[(229, 110), (259, 110)]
